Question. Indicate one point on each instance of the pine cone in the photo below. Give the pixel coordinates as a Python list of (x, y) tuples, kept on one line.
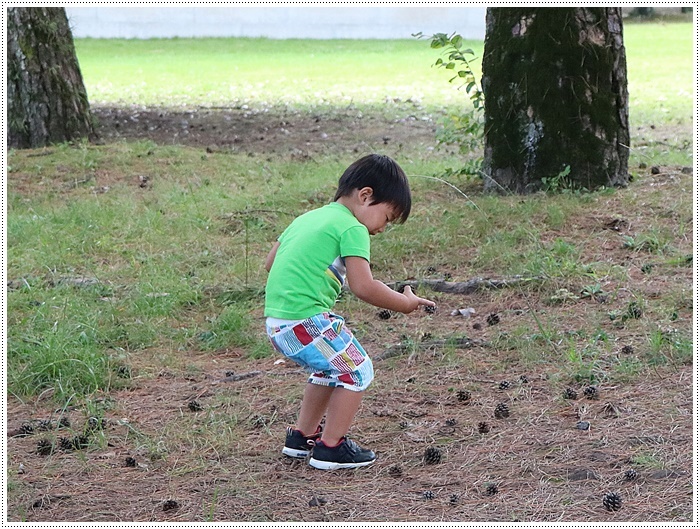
[(130, 462), (504, 385), (627, 350), (570, 394), (612, 501), (493, 319), (384, 314), (432, 455), (463, 395), (169, 505), (491, 489), (524, 379), (430, 309), (454, 498), (428, 494), (501, 411), (44, 447), (25, 430), (451, 422), (483, 427), (396, 471), (631, 475), (591, 392), (634, 311), (193, 405)]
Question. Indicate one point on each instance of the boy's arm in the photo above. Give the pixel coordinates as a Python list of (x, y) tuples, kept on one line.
[(271, 256), (368, 289)]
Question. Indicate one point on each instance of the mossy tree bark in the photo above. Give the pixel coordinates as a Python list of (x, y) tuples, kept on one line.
[(46, 98), (555, 87)]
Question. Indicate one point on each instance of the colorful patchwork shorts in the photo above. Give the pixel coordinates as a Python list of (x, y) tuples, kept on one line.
[(326, 348)]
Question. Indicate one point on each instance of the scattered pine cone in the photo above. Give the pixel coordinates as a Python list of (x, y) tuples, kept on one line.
[(63, 422), (524, 379), (384, 314), (591, 392), (44, 447), (25, 430), (463, 395), (431, 270), (396, 471), (124, 372), (504, 385), (454, 498), (451, 422), (130, 462), (627, 350), (193, 405), (432, 455), (612, 501), (493, 319), (430, 309), (75, 443), (428, 494), (483, 427), (631, 475), (491, 489), (570, 394), (169, 505), (44, 425), (501, 411), (634, 311), (94, 424), (476, 326)]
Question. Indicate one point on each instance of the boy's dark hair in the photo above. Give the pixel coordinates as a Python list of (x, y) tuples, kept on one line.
[(387, 180)]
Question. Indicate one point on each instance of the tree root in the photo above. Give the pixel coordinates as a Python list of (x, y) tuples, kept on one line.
[(464, 287)]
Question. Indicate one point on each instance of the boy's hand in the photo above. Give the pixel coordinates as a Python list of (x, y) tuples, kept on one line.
[(414, 300)]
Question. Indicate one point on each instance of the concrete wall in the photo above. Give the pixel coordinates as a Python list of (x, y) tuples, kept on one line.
[(279, 22)]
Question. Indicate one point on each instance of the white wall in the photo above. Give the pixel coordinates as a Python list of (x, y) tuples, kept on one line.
[(280, 22)]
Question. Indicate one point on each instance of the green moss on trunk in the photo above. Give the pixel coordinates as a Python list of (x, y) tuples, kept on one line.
[(555, 96)]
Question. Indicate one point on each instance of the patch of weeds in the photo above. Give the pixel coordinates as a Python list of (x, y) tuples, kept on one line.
[(669, 346), (647, 461), (584, 365), (233, 327), (651, 242)]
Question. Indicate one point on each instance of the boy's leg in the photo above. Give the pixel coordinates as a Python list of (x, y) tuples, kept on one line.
[(342, 407), (313, 407)]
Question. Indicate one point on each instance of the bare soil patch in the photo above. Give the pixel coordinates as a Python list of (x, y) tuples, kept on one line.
[(160, 457)]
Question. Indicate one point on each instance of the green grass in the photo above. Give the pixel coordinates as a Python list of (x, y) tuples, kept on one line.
[(313, 73), (132, 276)]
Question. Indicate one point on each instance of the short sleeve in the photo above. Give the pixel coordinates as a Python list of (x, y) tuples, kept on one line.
[(354, 242)]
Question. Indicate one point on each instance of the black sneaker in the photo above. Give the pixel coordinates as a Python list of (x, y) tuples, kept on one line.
[(297, 444), (348, 454)]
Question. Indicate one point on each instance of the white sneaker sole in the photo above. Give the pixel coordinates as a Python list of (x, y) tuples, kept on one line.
[(330, 465), (299, 454)]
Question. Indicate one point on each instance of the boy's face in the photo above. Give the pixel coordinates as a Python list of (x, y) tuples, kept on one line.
[(375, 217)]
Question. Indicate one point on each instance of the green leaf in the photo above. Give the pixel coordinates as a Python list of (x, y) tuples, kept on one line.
[(450, 66), (456, 41), (463, 73)]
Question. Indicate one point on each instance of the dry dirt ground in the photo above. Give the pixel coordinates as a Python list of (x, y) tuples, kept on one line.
[(161, 458)]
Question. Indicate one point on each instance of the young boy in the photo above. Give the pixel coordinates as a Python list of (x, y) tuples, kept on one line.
[(308, 266)]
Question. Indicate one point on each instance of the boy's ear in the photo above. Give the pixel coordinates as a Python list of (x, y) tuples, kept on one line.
[(365, 193)]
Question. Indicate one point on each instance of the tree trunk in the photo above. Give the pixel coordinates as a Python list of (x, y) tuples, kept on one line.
[(46, 98), (556, 103)]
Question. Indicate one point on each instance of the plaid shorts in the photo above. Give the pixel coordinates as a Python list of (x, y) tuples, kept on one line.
[(326, 349)]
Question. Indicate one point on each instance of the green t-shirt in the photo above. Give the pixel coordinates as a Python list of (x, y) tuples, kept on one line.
[(309, 268)]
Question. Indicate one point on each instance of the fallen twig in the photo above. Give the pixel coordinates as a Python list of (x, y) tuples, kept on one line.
[(239, 376), (464, 287)]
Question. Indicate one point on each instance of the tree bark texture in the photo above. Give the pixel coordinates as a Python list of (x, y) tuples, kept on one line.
[(555, 87), (46, 98)]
